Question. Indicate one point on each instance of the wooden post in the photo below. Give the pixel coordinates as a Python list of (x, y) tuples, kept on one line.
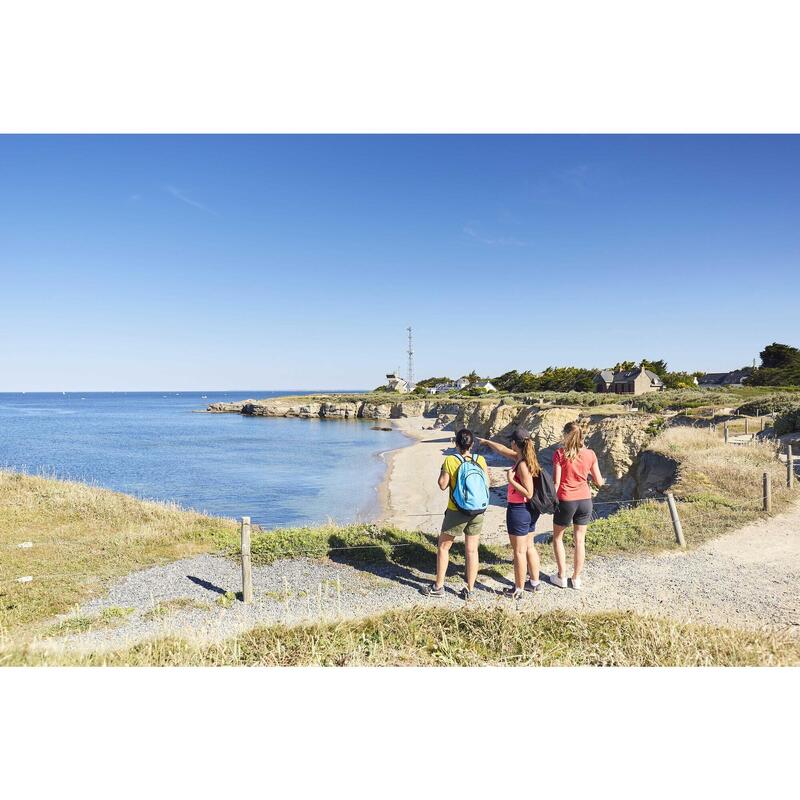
[(762, 424), (746, 426), (247, 566), (725, 431), (767, 494), (676, 520), (789, 466)]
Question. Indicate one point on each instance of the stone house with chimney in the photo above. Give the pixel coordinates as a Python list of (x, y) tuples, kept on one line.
[(633, 381)]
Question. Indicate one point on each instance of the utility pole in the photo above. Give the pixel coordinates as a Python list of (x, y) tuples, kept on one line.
[(410, 357)]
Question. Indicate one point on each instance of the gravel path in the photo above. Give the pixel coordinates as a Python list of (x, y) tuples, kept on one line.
[(749, 578)]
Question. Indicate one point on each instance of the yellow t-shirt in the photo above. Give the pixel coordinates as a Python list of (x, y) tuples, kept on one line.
[(450, 466)]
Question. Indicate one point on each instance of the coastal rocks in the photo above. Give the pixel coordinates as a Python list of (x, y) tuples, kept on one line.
[(547, 426), (618, 441), (376, 410), (282, 408), (654, 474), (344, 410), (228, 408), (409, 408)]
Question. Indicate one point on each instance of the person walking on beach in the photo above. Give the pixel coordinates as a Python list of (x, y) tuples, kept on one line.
[(521, 514), (460, 471), (573, 465)]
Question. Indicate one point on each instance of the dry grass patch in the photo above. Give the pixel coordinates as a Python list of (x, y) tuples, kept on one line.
[(81, 537), (441, 637), (719, 488)]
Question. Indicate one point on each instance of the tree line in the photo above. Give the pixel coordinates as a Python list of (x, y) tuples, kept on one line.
[(780, 366)]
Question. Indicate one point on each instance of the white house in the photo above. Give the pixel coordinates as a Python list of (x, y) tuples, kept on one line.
[(460, 384), (397, 384)]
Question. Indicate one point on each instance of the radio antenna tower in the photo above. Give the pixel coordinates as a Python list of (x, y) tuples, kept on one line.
[(410, 357)]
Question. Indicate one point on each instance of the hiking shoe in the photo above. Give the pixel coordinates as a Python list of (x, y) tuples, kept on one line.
[(466, 594), (558, 581), (575, 583), (530, 586), (432, 591), (513, 592)]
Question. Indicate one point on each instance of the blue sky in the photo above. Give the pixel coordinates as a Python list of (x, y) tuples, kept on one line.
[(210, 262)]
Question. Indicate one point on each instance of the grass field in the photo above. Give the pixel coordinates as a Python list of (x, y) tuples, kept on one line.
[(719, 488), (84, 536), (439, 637), (671, 399)]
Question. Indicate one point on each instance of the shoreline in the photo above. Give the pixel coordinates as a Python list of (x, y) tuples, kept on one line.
[(409, 496)]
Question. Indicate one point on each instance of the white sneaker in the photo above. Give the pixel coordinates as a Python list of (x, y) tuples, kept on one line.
[(557, 581), (576, 583)]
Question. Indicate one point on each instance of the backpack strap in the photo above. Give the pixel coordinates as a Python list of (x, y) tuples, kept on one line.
[(459, 457)]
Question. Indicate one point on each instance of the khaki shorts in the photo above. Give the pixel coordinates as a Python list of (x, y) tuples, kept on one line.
[(456, 522)]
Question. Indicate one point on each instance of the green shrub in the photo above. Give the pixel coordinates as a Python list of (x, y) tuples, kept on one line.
[(788, 421)]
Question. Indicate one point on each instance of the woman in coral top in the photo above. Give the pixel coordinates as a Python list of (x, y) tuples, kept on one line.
[(573, 464)]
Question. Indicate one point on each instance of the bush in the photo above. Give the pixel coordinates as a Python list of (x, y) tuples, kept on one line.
[(788, 421), (771, 403)]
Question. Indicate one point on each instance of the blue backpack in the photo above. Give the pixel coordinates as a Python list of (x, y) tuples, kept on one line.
[(471, 492)]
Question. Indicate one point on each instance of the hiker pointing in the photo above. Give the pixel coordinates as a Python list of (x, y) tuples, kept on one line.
[(466, 479), (528, 485)]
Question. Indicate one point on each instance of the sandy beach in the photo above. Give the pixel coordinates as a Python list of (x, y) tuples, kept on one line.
[(410, 496)]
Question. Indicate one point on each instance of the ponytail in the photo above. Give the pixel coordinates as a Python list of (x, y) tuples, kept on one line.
[(529, 457), (573, 440)]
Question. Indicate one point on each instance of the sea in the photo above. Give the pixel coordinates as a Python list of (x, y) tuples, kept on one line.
[(280, 472)]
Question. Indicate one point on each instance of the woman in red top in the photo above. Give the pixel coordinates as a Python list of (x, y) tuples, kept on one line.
[(573, 464)]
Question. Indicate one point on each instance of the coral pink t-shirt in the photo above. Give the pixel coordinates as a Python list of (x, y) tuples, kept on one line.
[(574, 474)]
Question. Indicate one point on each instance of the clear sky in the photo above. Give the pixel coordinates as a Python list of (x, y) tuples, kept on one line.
[(280, 262)]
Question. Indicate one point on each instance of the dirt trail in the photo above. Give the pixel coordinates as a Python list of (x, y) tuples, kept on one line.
[(749, 578)]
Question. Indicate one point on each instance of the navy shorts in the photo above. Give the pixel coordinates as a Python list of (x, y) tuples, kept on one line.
[(573, 512), (519, 519)]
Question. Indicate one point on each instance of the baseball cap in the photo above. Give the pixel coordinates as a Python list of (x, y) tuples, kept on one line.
[(519, 434)]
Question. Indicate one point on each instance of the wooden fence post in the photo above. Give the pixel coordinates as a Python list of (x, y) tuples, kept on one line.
[(767, 494), (746, 426), (247, 566), (676, 520), (762, 424), (789, 466), (725, 431)]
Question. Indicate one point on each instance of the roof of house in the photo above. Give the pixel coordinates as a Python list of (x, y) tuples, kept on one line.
[(734, 376), (606, 374), (632, 374)]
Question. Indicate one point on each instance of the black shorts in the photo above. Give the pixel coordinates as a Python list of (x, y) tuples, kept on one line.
[(573, 512), (519, 519)]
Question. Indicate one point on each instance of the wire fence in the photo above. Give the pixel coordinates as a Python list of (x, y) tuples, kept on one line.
[(323, 549), (763, 504)]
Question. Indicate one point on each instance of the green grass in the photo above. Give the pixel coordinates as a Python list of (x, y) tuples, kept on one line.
[(226, 600), (108, 618), (441, 637), (719, 488), (82, 537), (164, 608), (670, 399)]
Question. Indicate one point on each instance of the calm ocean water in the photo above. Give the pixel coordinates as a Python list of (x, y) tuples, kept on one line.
[(278, 471)]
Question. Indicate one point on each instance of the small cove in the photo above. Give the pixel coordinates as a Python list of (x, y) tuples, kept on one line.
[(281, 472)]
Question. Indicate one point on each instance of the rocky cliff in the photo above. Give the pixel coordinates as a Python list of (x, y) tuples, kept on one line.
[(618, 439), (329, 409)]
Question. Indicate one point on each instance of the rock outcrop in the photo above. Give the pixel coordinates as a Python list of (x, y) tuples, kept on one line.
[(619, 439)]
